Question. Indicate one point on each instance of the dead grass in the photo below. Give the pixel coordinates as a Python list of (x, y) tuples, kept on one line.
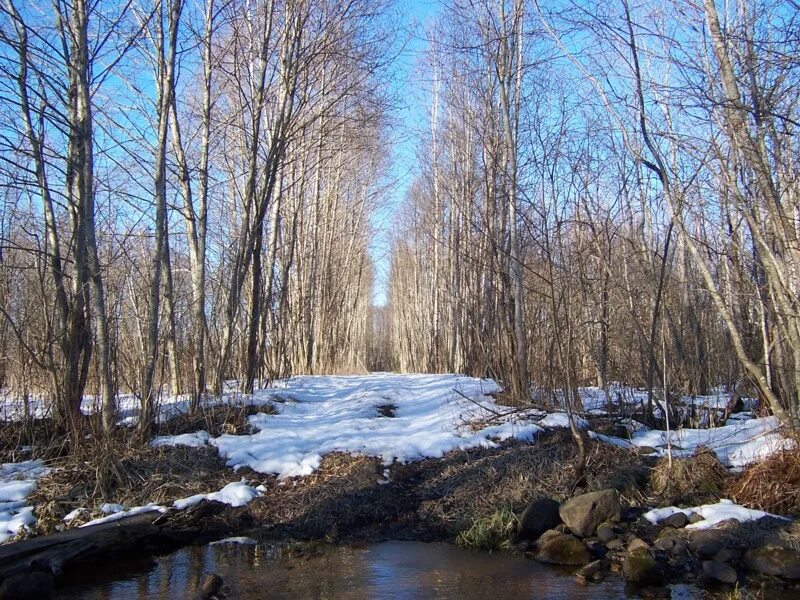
[(474, 484), (124, 469), (692, 481), (460, 493), (772, 484), (215, 419), (121, 469)]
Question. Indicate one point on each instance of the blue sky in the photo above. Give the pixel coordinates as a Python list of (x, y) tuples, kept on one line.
[(412, 113)]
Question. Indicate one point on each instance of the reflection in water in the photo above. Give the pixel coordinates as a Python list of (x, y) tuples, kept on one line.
[(397, 570)]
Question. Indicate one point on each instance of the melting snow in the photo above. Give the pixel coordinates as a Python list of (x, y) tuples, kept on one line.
[(560, 419), (17, 480), (713, 514), (738, 444), (197, 439), (237, 493), (321, 414)]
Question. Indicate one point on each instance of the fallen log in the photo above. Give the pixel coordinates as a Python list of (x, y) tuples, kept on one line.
[(147, 532)]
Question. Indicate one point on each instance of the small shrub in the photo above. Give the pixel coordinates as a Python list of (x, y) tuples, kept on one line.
[(493, 532)]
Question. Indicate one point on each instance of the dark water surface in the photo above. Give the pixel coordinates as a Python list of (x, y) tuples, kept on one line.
[(385, 570)]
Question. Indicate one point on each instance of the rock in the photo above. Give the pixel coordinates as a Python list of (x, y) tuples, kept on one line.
[(594, 571), (565, 549), (596, 548), (616, 545), (35, 585), (773, 560), (719, 571), (665, 544), (726, 555), (540, 516), (677, 562), (605, 532), (677, 520), (680, 548), (211, 586), (547, 536), (695, 518), (641, 568), (706, 543), (582, 514), (637, 543)]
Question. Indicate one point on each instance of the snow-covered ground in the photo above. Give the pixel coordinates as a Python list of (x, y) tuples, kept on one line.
[(17, 480), (317, 415), (737, 444), (13, 408), (398, 418)]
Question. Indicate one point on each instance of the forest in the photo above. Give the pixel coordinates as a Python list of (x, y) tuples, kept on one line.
[(213, 208)]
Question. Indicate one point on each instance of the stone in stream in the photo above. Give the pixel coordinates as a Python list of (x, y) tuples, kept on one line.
[(641, 568), (616, 545), (774, 560), (583, 514), (719, 571), (541, 515), (564, 549), (594, 571), (656, 591)]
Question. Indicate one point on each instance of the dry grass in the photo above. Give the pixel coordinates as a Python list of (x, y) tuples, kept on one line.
[(124, 469), (433, 498), (473, 485), (695, 480), (121, 469), (772, 484), (215, 419)]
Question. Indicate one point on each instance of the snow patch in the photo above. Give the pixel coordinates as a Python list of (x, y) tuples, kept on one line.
[(234, 494), (198, 439), (560, 419), (737, 444), (17, 480), (712, 514), (337, 414), (118, 514)]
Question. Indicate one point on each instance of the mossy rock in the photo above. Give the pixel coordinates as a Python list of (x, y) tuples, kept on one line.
[(564, 550), (641, 568)]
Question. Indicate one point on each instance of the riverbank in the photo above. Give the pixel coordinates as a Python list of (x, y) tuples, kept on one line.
[(479, 482)]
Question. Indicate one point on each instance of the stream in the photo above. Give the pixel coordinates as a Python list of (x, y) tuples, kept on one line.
[(391, 569)]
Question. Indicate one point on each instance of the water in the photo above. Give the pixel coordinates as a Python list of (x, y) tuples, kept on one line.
[(394, 570)]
